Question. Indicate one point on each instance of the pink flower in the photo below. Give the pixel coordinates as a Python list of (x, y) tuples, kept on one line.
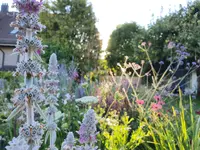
[(140, 102), (149, 43), (161, 102), (143, 43), (197, 112), (171, 45), (156, 107), (75, 75), (157, 97), (39, 52)]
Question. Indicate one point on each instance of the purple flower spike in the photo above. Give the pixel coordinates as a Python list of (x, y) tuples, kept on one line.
[(87, 131)]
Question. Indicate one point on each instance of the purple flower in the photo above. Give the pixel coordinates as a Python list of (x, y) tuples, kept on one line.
[(75, 74), (31, 6), (181, 62), (87, 131), (161, 63), (182, 48), (194, 63)]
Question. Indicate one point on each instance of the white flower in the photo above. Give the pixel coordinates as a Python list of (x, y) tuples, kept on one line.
[(87, 99), (68, 96), (2, 139), (53, 63)]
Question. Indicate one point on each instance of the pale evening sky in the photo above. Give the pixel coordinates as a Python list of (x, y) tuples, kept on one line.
[(111, 13)]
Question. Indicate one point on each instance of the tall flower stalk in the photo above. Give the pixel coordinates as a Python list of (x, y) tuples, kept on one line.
[(28, 47), (51, 88), (87, 134)]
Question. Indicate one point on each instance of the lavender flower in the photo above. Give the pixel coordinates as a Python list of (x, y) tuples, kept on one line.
[(181, 62), (87, 131), (161, 63), (194, 63)]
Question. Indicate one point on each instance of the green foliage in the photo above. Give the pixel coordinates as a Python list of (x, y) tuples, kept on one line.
[(117, 134), (6, 75), (124, 42), (175, 131), (181, 26), (72, 34)]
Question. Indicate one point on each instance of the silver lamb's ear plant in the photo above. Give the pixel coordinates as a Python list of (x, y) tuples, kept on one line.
[(68, 143), (29, 96), (51, 88), (87, 134)]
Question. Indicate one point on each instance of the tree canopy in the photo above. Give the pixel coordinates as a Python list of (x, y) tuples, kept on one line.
[(71, 32), (182, 26), (124, 42)]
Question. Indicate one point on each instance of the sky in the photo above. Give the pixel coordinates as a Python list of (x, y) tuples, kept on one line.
[(110, 13)]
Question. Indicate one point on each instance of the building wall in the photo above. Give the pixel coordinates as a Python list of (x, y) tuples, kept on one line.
[(1, 58), (9, 59)]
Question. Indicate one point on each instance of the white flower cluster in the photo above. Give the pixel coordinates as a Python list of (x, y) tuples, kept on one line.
[(30, 67), (24, 44), (33, 94), (32, 132), (87, 99), (27, 20)]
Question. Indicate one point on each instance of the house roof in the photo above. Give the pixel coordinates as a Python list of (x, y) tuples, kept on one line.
[(6, 38)]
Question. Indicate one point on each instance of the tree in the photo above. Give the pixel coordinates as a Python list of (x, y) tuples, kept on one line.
[(182, 26), (124, 42), (71, 32)]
